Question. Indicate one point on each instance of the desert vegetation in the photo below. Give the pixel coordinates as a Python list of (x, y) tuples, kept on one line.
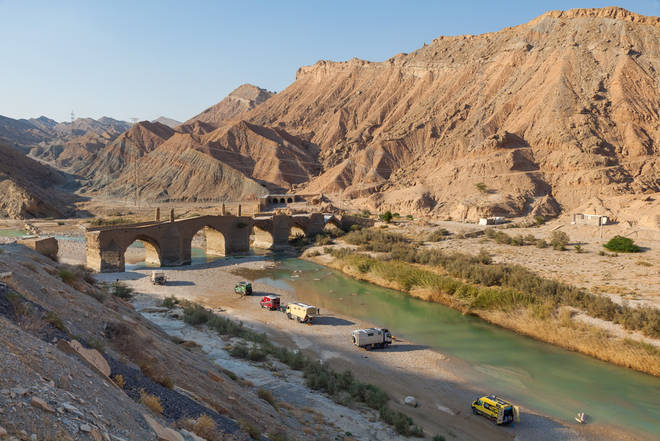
[(343, 387), (481, 284), (622, 245)]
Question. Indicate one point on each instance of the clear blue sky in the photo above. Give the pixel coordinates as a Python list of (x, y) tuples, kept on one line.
[(149, 58)]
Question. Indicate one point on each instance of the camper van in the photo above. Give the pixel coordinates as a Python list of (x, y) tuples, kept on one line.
[(496, 409), (302, 312), (372, 338)]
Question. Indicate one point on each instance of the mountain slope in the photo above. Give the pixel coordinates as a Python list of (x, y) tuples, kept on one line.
[(109, 162), (27, 187), (567, 101), (179, 170)]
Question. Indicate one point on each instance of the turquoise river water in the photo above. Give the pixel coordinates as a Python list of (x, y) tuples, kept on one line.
[(539, 376)]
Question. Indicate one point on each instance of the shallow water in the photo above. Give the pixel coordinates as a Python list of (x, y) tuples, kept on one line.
[(539, 376), (13, 233)]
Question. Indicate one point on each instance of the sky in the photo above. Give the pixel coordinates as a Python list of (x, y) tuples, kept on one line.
[(145, 59)]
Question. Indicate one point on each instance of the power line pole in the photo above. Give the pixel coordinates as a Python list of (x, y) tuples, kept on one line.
[(134, 159), (73, 117)]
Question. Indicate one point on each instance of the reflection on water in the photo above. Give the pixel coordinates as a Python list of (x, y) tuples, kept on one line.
[(540, 376)]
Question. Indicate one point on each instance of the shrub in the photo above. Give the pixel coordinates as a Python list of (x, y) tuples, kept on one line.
[(204, 426), (267, 396), (254, 432), (559, 240), (119, 380), (151, 401), (375, 240), (578, 248), (502, 237), (122, 291), (539, 220), (622, 244), (409, 216), (438, 235), (386, 217), (365, 213), (541, 243), (484, 257), (355, 227), (170, 302), (102, 222), (67, 276), (481, 187), (55, 321), (322, 239)]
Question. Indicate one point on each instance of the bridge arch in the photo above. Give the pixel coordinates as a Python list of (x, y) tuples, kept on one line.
[(261, 237), (332, 224), (214, 240), (152, 250)]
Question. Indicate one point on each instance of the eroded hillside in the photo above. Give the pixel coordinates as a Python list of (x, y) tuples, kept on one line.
[(546, 115)]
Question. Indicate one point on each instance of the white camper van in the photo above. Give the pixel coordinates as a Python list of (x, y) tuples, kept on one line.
[(372, 338)]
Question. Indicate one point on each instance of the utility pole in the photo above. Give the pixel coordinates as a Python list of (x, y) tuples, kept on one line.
[(73, 117), (134, 159)]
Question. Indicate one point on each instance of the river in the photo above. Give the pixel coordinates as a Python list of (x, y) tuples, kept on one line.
[(537, 375)]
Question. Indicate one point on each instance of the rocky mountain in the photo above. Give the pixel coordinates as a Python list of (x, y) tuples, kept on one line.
[(28, 188), (115, 157), (240, 100), (169, 122), (181, 169), (544, 115)]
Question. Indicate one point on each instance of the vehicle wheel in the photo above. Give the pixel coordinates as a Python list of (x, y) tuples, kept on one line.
[(475, 411), (299, 321), (289, 315)]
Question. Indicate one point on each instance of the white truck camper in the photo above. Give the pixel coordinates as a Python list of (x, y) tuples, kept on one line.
[(372, 338)]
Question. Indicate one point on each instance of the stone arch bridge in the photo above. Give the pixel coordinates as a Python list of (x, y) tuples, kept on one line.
[(169, 243)]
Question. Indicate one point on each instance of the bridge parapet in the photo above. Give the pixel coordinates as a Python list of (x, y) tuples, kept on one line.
[(169, 243)]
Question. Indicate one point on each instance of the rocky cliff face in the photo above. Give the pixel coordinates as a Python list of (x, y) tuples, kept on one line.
[(545, 114)]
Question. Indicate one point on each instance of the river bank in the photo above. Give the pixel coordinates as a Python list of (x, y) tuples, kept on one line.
[(560, 329), (437, 379)]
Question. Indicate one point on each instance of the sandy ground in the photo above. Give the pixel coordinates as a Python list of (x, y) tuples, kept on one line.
[(403, 369), (634, 277)]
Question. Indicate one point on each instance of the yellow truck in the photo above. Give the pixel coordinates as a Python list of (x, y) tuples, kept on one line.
[(496, 409), (302, 312)]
